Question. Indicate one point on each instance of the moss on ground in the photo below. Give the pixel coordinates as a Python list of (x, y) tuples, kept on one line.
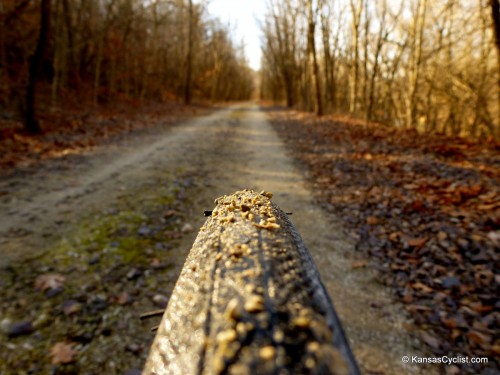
[(107, 256)]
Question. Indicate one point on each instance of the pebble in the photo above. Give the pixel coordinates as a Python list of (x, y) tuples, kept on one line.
[(52, 292), (71, 307), (160, 300), (98, 303), (5, 325), (94, 259), (134, 273), (450, 282), (20, 329), (144, 231), (133, 348), (187, 228)]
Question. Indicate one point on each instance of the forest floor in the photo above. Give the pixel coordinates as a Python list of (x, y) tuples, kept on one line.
[(95, 234), (424, 211)]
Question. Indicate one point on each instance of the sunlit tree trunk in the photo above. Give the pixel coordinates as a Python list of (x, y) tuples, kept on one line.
[(354, 79), (495, 16), (312, 57), (381, 38), (414, 69)]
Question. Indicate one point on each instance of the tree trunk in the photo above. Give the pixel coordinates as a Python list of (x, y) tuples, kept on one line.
[(312, 53), (382, 36), (35, 64), (356, 16), (70, 36), (415, 62), (189, 58), (495, 15)]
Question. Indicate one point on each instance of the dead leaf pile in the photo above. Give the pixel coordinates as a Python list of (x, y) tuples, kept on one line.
[(426, 208)]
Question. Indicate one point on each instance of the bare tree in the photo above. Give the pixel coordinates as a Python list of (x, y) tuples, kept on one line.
[(495, 16), (189, 55), (356, 9), (311, 47), (36, 60)]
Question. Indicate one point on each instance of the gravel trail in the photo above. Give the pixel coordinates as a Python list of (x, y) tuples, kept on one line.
[(232, 149)]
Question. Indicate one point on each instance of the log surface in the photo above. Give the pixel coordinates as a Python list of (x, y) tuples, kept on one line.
[(249, 300)]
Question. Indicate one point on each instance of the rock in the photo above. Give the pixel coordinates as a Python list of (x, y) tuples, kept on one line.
[(450, 282), (144, 231), (49, 293), (133, 274), (71, 307), (133, 348), (98, 303), (20, 329), (163, 246), (169, 213), (160, 300), (124, 299), (5, 325), (187, 228), (94, 259)]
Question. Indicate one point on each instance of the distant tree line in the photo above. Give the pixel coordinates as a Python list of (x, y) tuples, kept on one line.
[(430, 65), (99, 50)]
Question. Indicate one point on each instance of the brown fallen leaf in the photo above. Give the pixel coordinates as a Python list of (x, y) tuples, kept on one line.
[(49, 281), (422, 287), (495, 350), (371, 220), (63, 352), (417, 242), (155, 263), (455, 333), (482, 339), (394, 236), (449, 322), (169, 213), (408, 297), (442, 236), (359, 264), (124, 299)]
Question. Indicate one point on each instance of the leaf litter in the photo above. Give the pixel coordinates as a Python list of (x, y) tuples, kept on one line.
[(425, 209)]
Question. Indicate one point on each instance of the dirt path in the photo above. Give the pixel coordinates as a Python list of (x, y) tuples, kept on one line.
[(231, 149)]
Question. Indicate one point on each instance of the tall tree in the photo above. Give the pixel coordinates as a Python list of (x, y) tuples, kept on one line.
[(189, 56), (311, 46), (35, 64), (495, 16), (356, 10)]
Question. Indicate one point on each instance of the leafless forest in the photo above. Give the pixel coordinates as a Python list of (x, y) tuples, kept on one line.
[(430, 65), (98, 51)]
